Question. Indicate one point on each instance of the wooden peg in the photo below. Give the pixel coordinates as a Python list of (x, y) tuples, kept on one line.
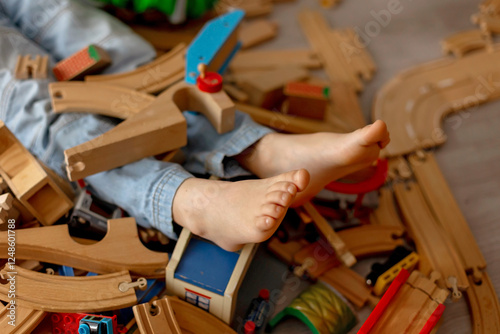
[(141, 283)]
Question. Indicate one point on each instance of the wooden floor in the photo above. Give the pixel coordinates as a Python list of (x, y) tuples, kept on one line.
[(470, 159)]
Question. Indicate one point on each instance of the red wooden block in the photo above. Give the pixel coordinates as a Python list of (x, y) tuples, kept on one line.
[(86, 61)]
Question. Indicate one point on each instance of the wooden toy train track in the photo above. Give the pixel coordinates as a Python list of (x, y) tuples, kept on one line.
[(68, 294)]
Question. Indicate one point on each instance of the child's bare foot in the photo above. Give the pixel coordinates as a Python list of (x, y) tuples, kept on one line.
[(232, 214), (327, 156)]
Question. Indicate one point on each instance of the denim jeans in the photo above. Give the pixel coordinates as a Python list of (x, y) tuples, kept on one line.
[(59, 28)]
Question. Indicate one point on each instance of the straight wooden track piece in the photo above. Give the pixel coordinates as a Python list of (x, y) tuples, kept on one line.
[(26, 319), (158, 128), (98, 98), (357, 57), (53, 244), (28, 67), (257, 32), (434, 247), (331, 236), (372, 240), (29, 182), (162, 321), (150, 78), (444, 206), (267, 59), (484, 305), (350, 284), (192, 319), (386, 213), (286, 123), (68, 294), (464, 42), (329, 50)]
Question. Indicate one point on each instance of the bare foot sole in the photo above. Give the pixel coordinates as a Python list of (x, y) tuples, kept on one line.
[(326, 156), (232, 214)]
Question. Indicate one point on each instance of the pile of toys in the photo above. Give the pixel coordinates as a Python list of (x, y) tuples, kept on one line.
[(76, 264)]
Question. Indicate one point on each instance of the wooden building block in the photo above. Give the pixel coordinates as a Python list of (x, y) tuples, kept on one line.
[(218, 296), (29, 182), (268, 59), (257, 32), (150, 78), (89, 60), (68, 294), (119, 250), (266, 89), (28, 67), (306, 100)]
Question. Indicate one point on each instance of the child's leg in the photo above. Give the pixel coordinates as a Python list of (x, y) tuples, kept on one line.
[(145, 188)]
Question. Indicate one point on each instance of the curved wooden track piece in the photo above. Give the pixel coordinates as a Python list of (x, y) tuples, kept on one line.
[(435, 249), (414, 103), (158, 128), (445, 208), (350, 284), (119, 250), (287, 123), (192, 319), (150, 78), (109, 100), (386, 213), (484, 306), (464, 42), (163, 321), (372, 240), (26, 320), (68, 294)]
